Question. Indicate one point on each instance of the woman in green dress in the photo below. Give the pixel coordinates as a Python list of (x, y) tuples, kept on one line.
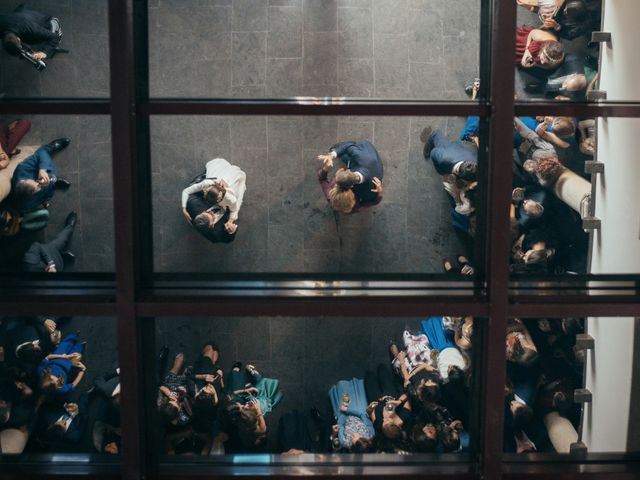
[(248, 403)]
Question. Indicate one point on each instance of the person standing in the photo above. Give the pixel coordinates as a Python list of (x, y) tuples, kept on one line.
[(357, 185)]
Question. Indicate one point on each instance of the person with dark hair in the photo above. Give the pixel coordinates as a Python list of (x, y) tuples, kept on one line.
[(29, 340), (173, 401), (28, 29), (527, 208), (207, 217), (449, 158), (354, 427), (223, 185), (456, 395), (389, 409), (50, 257), (572, 20), (422, 383), (537, 48), (531, 251), (248, 403), (424, 437), (10, 136), (17, 402), (67, 422), (35, 180), (358, 184), (55, 371)]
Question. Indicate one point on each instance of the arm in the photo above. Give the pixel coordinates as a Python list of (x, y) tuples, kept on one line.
[(550, 137), (196, 187), (537, 35), (79, 377), (341, 148)]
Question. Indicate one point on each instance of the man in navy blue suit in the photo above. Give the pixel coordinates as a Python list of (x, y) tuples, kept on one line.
[(449, 157), (359, 184), (36, 179)]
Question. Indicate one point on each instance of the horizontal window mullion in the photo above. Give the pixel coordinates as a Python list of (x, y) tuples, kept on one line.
[(55, 107), (576, 306), (59, 305), (329, 106)]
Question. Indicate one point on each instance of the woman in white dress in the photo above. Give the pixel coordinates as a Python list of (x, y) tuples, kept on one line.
[(224, 185)]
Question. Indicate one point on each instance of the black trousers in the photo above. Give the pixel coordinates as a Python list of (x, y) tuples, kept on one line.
[(380, 384)]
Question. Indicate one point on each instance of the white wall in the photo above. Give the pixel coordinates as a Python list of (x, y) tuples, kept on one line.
[(616, 247)]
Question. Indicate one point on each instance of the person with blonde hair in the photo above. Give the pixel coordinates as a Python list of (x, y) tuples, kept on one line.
[(357, 185)]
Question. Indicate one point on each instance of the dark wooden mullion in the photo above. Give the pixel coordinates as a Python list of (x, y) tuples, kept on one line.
[(332, 107), (501, 94), (71, 106), (123, 136)]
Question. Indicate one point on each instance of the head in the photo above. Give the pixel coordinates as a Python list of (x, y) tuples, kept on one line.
[(31, 353), (214, 193), (563, 127), (206, 397), (519, 349), (428, 390), (548, 170), (204, 221), (467, 171), (48, 382), (450, 439), (552, 54), (27, 187), (425, 437), (169, 410), (12, 44), (391, 430), (111, 448), (529, 166), (538, 256), (361, 445), (345, 178), (246, 418), (5, 411), (561, 402), (342, 201), (575, 11), (520, 413), (532, 208), (455, 374)]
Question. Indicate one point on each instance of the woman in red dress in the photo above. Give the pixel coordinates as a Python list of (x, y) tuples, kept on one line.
[(537, 48)]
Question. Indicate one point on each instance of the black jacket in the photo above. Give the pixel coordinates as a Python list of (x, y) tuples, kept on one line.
[(32, 27), (26, 329)]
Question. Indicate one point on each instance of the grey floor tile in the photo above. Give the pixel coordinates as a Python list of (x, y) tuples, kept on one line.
[(249, 63), (390, 16), (284, 77), (284, 39), (355, 29), (425, 42), (320, 15), (320, 63), (249, 15), (391, 66), (355, 77)]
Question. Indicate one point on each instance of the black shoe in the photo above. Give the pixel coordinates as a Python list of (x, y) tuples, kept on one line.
[(84, 348), (316, 416), (71, 220), (533, 87), (164, 353), (58, 145), (62, 184), (68, 256)]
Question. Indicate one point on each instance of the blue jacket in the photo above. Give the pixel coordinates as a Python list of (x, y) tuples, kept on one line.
[(361, 157), (28, 170), (446, 154)]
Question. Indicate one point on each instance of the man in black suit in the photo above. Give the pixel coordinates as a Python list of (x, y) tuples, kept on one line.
[(207, 219), (49, 257), (30, 339), (66, 422), (36, 31), (359, 184)]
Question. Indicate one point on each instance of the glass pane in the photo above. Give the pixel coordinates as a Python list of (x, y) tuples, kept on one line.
[(80, 66), (285, 223), (321, 385), (37, 229), (570, 215), (60, 387), (254, 48), (571, 385)]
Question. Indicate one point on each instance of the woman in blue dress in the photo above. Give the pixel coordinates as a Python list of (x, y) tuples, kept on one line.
[(55, 370), (354, 428)]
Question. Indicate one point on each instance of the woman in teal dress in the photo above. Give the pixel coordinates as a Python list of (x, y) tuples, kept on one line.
[(248, 403)]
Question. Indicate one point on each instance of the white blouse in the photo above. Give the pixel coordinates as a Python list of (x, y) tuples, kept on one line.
[(220, 169)]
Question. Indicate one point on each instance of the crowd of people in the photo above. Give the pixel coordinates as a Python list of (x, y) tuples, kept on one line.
[(45, 404)]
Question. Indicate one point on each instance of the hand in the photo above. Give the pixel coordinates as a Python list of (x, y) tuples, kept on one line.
[(527, 59), (81, 366), (4, 159), (343, 408), (50, 325), (548, 120), (72, 355), (230, 227), (43, 178), (39, 56), (186, 215), (173, 395), (327, 162), (401, 356), (51, 268), (373, 405), (550, 23), (209, 378), (252, 391), (377, 185)]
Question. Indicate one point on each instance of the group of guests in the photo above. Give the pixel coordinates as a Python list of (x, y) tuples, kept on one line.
[(42, 407), (418, 402), (543, 371), (24, 213)]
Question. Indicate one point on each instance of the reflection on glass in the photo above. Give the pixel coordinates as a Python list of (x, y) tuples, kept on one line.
[(55, 49), (277, 385), (311, 194), (247, 49), (55, 194), (552, 55), (60, 388), (544, 370)]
